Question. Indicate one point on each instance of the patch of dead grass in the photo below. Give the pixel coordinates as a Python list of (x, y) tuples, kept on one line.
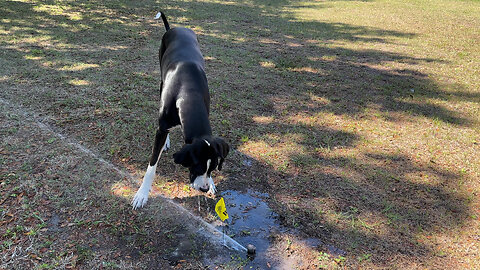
[(318, 93)]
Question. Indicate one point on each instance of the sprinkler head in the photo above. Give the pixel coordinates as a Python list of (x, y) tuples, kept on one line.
[(251, 249)]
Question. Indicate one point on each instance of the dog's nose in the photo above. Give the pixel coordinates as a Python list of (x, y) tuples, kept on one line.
[(203, 189)]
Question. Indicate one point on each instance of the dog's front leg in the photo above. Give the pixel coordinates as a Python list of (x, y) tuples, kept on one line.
[(141, 196)]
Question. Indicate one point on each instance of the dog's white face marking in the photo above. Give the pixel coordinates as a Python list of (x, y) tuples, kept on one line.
[(212, 189), (204, 182), (207, 142)]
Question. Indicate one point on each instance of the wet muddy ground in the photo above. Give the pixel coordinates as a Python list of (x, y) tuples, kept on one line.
[(252, 222)]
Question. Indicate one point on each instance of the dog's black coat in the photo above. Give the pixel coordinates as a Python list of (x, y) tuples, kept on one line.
[(185, 101), (183, 81)]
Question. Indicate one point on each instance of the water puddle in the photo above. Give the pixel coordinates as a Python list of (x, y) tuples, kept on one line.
[(251, 221)]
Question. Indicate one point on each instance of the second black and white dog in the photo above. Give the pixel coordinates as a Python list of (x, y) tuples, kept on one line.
[(185, 101)]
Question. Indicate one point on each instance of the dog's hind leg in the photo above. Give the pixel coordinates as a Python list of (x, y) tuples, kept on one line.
[(167, 143), (141, 196)]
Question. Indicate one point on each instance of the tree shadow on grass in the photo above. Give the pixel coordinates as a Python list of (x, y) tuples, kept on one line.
[(297, 58), (91, 69), (275, 77), (385, 206)]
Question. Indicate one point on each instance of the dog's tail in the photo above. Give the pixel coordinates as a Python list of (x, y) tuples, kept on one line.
[(164, 19)]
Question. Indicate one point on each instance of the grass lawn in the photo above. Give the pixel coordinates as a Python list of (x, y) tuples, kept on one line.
[(360, 119)]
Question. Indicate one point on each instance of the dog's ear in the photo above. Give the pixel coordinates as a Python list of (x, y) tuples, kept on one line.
[(186, 156), (222, 149)]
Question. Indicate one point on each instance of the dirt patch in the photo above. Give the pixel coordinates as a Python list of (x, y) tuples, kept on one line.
[(61, 208), (361, 127)]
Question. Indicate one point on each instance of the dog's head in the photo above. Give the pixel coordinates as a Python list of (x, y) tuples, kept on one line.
[(201, 157)]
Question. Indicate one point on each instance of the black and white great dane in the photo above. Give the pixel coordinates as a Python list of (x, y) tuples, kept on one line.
[(185, 101)]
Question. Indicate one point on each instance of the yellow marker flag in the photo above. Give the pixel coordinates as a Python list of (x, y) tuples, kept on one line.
[(221, 209)]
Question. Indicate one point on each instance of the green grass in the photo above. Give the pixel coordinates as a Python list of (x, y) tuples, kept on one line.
[(365, 105)]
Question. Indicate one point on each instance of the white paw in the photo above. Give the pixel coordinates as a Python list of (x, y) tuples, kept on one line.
[(212, 190), (140, 199), (167, 143)]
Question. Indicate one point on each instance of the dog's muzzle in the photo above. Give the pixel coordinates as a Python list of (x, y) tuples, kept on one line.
[(201, 183), (204, 184)]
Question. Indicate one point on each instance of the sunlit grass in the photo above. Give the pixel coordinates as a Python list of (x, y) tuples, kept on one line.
[(79, 82), (59, 10), (364, 112), (79, 66)]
